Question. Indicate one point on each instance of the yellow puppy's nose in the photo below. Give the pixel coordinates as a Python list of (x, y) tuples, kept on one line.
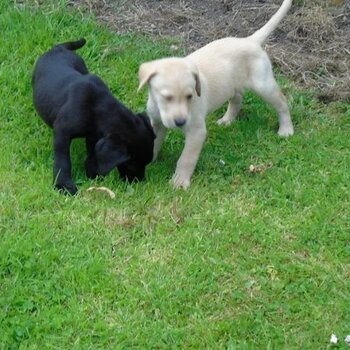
[(179, 122)]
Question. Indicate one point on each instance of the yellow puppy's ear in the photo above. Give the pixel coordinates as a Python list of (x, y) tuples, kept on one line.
[(146, 72), (198, 83), (195, 73)]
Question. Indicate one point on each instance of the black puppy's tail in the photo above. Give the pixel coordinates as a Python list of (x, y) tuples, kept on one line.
[(73, 45)]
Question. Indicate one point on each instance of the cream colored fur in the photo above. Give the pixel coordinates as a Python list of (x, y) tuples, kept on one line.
[(185, 90)]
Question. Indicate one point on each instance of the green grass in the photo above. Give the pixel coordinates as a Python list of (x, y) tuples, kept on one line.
[(239, 261)]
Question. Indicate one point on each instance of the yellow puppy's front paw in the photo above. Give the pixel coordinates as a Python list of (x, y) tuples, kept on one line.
[(224, 121), (180, 181), (285, 131)]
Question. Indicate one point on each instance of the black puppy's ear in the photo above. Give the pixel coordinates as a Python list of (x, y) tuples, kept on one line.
[(147, 123), (110, 153)]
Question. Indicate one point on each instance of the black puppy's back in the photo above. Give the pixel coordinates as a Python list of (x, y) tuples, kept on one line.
[(52, 59), (49, 90)]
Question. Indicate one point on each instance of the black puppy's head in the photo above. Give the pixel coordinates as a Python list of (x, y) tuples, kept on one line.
[(130, 152), (140, 147)]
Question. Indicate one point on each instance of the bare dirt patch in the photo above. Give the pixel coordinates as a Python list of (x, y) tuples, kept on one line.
[(312, 44)]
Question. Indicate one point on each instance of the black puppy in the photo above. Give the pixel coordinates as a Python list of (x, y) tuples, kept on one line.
[(78, 104)]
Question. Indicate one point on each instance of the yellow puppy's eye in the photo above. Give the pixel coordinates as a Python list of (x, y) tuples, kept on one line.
[(169, 98), (189, 96)]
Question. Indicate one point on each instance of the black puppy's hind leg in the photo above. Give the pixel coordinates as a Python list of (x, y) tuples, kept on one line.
[(62, 163), (91, 166)]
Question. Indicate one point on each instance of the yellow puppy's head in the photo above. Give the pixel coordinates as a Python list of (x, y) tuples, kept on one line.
[(173, 85)]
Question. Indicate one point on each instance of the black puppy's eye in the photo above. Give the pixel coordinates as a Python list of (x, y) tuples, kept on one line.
[(189, 96)]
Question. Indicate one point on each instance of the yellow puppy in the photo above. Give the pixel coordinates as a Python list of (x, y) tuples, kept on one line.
[(182, 91)]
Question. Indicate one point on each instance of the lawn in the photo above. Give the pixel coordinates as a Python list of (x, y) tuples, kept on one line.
[(241, 260)]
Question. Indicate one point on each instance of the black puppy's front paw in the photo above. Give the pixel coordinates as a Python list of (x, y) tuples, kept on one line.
[(66, 188)]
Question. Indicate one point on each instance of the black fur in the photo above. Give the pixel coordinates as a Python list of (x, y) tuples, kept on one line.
[(78, 104)]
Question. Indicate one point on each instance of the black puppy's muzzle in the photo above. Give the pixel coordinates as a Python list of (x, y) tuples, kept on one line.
[(133, 178), (131, 174)]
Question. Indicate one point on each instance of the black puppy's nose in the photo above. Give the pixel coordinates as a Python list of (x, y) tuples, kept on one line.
[(180, 122)]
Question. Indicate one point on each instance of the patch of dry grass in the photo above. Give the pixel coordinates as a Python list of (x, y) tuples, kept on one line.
[(316, 52), (311, 45)]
